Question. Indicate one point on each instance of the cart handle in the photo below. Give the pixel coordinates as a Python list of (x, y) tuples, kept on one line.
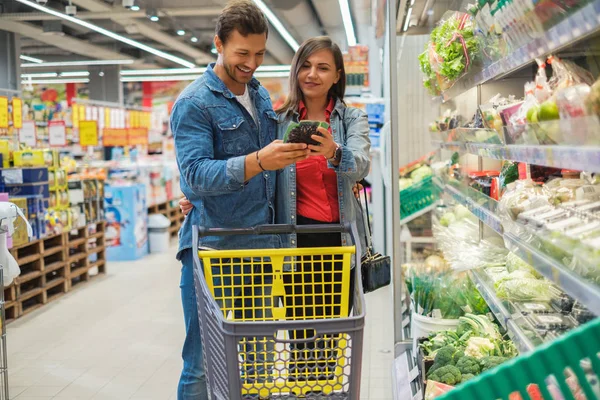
[(274, 229)]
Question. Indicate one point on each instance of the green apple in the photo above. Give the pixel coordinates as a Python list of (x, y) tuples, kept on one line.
[(548, 111)]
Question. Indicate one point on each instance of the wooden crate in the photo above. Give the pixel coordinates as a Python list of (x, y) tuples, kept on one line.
[(10, 293), (12, 310), (53, 244), (29, 271), (32, 303), (29, 288), (56, 289)]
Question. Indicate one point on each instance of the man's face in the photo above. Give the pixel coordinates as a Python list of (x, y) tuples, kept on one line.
[(241, 56)]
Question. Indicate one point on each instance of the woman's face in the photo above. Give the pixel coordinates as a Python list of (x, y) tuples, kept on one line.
[(318, 74)]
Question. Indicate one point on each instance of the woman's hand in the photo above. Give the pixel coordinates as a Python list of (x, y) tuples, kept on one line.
[(186, 206), (326, 147), (356, 189)]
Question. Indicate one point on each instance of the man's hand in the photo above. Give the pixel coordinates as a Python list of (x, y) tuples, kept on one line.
[(275, 156), (278, 155), (186, 206), (326, 147)]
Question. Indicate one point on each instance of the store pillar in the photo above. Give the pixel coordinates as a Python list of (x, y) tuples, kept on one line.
[(105, 84), (10, 69)]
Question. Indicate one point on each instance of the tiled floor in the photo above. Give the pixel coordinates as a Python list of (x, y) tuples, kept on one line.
[(120, 338)]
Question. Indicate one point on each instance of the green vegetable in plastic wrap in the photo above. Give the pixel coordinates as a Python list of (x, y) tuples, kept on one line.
[(525, 289), (447, 219), (421, 173), (515, 263), (508, 174), (461, 212), (479, 325)]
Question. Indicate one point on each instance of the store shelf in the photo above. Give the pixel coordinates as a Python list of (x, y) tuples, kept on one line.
[(579, 158), (418, 214), (480, 210), (565, 34), (502, 314), (574, 285), (406, 377), (587, 293)]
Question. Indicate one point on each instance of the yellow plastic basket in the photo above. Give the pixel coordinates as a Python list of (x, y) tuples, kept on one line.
[(302, 298)]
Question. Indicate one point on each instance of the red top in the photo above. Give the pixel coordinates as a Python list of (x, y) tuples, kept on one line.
[(316, 183)]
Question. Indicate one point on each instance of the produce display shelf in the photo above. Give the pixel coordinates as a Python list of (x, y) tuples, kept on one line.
[(574, 28), (579, 158), (419, 213), (406, 378), (586, 293), (506, 319), (481, 211)]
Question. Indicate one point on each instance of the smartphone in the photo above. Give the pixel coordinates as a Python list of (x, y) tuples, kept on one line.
[(301, 132)]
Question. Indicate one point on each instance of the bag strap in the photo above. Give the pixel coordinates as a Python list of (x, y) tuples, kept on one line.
[(366, 222)]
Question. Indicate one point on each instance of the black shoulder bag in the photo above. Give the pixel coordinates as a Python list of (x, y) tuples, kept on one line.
[(375, 268)]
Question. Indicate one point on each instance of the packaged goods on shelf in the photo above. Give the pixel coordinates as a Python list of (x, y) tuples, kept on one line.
[(126, 214)]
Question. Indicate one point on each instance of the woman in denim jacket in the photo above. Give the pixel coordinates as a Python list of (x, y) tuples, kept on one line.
[(319, 190)]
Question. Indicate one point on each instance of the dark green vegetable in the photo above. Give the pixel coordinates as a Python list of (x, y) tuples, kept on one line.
[(458, 354), (466, 377), (468, 365), (450, 375), (443, 357), (491, 362)]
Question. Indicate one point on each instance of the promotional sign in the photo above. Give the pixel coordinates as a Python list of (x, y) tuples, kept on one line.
[(114, 137), (137, 136), (88, 133), (3, 112), (57, 133), (28, 134), (17, 112)]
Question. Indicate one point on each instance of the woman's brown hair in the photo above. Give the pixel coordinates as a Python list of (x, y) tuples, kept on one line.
[(308, 48)]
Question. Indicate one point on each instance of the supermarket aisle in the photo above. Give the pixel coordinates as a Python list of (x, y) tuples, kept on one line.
[(120, 338)]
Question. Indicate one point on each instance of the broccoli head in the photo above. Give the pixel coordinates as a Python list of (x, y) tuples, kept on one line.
[(443, 357), (458, 354), (449, 374), (468, 365), (491, 362), (466, 377)]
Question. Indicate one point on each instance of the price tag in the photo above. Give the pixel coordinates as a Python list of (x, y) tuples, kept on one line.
[(4, 112), (114, 137), (28, 134), (57, 133), (107, 114), (75, 115), (88, 133), (17, 105)]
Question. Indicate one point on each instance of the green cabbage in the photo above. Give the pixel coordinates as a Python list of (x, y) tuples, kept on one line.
[(421, 173)]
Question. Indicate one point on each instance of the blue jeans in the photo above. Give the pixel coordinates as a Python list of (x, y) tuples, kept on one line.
[(192, 384)]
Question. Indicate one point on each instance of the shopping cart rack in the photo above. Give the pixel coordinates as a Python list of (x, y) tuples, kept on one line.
[(275, 323)]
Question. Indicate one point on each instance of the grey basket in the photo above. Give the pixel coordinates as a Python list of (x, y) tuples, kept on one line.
[(257, 359)]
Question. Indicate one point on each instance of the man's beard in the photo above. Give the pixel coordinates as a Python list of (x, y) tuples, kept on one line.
[(231, 72)]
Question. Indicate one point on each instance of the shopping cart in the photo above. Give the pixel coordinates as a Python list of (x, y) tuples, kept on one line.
[(274, 322), (568, 368)]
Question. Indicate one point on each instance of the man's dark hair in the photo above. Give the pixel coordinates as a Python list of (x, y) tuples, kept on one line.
[(243, 16)]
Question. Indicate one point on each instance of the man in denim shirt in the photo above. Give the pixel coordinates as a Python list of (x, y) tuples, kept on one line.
[(225, 130)]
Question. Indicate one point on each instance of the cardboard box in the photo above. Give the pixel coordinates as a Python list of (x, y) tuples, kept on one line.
[(28, 189), (20, 236), (17, 176)]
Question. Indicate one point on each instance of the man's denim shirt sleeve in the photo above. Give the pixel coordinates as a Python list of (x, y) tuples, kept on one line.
[(193, 134)]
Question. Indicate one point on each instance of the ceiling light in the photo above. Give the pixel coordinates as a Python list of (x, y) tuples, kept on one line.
[(162, 78), (166, 71), (31, 59), (53, 81), (348, 25), (277, 24), (178, 71), (152, 15), (74, 74), (135, 8), (181, 32), (407, 22), (40, 75), (194, 39), (78, 63), (108, 33)]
